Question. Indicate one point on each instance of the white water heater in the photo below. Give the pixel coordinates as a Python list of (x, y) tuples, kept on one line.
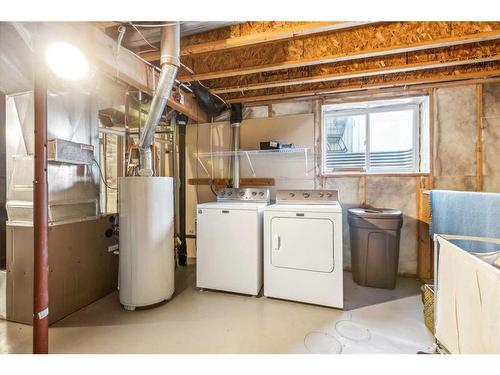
[(147, 259)]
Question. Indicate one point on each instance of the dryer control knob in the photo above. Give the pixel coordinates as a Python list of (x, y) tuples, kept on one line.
[(242, 193), (306, 195), (329, 195), (291, 194), (321, 195), (254, 193)]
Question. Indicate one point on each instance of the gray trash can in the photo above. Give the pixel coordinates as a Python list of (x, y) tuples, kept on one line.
[(374, 237)]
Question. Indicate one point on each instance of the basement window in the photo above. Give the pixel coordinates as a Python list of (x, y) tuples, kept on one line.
[(383, 136)]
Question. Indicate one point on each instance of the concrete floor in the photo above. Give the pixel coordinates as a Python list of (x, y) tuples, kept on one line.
[(374, 321)]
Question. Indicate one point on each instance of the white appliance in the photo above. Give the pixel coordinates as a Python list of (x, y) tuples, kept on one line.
[(147, 259), (229, 241), (303, 247)]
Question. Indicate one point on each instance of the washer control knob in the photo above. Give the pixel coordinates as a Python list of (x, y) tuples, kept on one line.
[(291, 195), (229, 193), (261, 193), (254, 193), (321, 194), (329, 195), (306, 195), (242, 193)]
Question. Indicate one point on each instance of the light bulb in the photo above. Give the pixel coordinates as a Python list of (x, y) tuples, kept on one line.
[(66, 61)]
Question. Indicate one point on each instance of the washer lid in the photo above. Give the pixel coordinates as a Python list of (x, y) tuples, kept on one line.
[(234, 205)]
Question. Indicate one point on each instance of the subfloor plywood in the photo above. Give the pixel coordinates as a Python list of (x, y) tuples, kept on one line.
[(374, 321)]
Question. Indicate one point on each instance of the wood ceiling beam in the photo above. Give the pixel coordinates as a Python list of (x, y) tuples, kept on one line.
[(129, 68), (423, 60), (467, 72), (338, 46), (289, 31)]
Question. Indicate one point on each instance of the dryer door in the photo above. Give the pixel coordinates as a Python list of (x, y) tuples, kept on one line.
[(302, 243)]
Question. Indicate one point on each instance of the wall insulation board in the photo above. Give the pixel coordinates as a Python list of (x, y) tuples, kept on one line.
[(400, 194), (348, 188), (491, 136), (455, 125)]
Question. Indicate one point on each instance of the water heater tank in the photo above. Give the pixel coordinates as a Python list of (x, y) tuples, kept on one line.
[(147, 260)]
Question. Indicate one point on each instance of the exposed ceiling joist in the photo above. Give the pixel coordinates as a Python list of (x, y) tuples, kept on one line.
[(364, 42), (484, 70), (422, 60), (129, 68), (289, 32), (360, 74)]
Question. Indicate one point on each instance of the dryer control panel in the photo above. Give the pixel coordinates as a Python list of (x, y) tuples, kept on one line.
[(243, 194), (307, 197)]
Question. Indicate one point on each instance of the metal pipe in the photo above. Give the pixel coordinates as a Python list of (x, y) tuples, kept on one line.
[(236, 157), (175, 175), (126, 125), (235, 120), (40, 219), (182, 250), (170, 62)]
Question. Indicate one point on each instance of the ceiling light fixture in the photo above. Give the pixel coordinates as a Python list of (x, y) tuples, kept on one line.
[(66, 61)]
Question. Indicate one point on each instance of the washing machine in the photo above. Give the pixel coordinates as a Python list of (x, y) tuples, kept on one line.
[(229, 241), (303, 247)]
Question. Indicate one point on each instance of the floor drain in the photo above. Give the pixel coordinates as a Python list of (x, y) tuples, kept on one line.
[(322, 343), (352, 331)]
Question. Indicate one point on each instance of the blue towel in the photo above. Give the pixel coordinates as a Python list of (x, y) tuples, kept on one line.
[(466, 214)]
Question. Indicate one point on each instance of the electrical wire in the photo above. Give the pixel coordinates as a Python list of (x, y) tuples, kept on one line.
[(153, 25), (102, 177), (143, 37)]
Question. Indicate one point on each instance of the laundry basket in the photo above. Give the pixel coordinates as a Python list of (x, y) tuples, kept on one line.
[(428, 301)]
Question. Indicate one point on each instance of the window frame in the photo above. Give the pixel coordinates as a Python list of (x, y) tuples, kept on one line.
[(415, 106)]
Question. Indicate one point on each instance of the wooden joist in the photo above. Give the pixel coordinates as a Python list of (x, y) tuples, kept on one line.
[(337, 46), (129, 68), (422, 60), (463, 72), (261, 34), (479, 140)]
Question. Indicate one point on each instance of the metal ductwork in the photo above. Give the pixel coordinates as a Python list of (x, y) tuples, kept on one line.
[(235, 121), (170, 62)]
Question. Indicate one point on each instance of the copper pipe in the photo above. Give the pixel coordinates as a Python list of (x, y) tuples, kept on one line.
[(40, 220)]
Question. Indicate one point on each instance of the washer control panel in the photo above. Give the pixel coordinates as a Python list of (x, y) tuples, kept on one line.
[(307, 197), (243, 194)]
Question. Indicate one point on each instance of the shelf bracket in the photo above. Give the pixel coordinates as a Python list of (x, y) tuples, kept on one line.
[(306, 161), (250, 164), (203, 166)]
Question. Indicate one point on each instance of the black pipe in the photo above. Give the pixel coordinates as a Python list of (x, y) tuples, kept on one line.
[(182, 249), (211, 104), (236, 113)]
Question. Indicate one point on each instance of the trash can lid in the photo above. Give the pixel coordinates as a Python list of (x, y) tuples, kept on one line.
[(376, 213)]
